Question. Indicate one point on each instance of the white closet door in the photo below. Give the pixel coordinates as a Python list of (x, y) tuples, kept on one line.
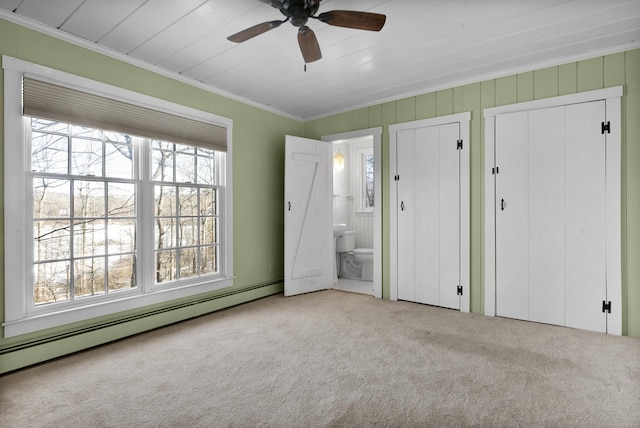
[(586, 216), (512, 215), (406, 235), (551, 216), (428, 163)]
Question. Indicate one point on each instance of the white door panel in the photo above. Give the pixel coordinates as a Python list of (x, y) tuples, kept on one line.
[(586, 217), (512, 213), (308, 220), (449, 216), (546, 216), (405, 210), (426, 165)]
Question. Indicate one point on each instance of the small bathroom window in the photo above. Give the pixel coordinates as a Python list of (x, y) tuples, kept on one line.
[(366, 179)]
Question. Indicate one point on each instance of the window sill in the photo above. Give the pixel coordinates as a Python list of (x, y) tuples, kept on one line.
[(36, 322)]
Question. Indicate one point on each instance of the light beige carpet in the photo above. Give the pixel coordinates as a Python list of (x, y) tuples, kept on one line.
[(336, 359)]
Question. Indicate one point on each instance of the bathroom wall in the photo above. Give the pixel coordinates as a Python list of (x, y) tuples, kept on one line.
[(342, 199), (347, 192)]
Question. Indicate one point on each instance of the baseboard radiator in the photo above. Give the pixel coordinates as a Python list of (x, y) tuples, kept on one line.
[(145, 314)]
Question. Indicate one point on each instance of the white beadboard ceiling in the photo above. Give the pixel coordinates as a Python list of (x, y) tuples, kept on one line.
[(425, 45)]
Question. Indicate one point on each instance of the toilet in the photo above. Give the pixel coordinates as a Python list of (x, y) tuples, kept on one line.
[(365, 257), (353, 263)]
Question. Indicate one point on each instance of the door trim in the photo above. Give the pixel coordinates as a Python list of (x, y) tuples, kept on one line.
[(463, 119), (612, 97)]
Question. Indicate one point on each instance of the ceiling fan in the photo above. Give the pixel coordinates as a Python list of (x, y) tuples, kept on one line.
[(298, 13)]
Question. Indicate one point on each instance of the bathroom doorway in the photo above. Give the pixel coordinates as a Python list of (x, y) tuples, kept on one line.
[(356, 203)]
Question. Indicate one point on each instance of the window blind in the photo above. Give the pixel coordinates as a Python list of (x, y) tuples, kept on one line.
[(54, 102)]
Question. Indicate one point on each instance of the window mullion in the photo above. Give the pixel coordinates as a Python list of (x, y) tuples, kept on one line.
[(145, 214)]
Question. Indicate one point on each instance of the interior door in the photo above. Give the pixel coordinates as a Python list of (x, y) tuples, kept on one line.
[(308, 228), (428, 165), (551, 215)]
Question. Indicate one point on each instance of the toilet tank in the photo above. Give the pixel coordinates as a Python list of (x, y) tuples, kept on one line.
[(346, 242)]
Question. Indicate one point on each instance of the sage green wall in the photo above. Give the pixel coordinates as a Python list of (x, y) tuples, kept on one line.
[(596, 73), (258, 183)]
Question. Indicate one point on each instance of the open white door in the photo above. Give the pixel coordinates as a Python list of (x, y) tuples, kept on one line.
[(308, 219)]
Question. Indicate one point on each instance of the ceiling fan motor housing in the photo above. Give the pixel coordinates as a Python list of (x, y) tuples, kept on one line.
[(299, 11)]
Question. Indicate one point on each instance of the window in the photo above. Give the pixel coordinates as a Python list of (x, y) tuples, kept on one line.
[(185, 214), (367, 182), (366, 179), (84, 212), (119, 204)]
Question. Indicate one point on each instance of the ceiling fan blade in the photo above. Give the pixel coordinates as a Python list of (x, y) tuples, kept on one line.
[(352, 19), (308, 44), (256, 30)]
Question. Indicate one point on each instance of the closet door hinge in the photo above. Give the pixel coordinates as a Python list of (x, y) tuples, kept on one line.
[(606, 127), (495, 170), (396, 178), (459, 145), (606, 307), (460, 290)]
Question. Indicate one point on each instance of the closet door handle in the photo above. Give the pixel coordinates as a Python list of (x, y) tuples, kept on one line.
[(289, 205), (502, 204), (402, 206)]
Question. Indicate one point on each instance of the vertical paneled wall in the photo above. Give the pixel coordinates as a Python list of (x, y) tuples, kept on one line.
[(595, 73)]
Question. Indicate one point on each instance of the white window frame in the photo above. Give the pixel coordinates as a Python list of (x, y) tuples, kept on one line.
[(20, 316), (362, 184)]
